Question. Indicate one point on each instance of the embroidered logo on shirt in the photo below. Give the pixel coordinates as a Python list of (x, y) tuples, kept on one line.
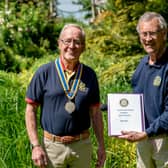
[(82, 87), (157, 81)]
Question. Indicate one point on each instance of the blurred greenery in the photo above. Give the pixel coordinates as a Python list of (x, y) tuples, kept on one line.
[(28, 39)]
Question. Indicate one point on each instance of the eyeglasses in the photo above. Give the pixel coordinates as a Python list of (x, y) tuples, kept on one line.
[(68, 42), (152, 34)]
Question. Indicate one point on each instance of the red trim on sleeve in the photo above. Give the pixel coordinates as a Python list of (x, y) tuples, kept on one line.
[(30, 101), (95, 105)]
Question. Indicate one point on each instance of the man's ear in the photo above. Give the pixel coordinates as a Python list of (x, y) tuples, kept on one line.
[(83, 47), (58, 43), (165, 34)]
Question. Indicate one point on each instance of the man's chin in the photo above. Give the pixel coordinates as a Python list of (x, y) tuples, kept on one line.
[(149, 50), (72, 58)]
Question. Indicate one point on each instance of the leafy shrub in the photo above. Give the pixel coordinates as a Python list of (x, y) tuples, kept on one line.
[(26, 32)]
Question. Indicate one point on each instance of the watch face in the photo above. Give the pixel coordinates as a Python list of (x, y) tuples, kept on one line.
[(33, 146)]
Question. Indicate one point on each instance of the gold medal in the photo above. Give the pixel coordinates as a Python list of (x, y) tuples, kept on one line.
[(70, 107)]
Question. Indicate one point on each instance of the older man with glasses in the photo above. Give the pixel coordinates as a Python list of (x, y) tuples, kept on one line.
[(68, 93), (151, 80)]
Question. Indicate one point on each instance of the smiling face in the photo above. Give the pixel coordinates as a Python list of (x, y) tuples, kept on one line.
[(152, 37), (71, 44)]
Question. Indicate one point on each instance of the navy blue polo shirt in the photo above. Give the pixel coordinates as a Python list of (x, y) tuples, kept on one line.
[(152, 81), (45, 89)]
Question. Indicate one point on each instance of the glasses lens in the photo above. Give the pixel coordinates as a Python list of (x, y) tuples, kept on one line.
[(152, 34), (68, 42)]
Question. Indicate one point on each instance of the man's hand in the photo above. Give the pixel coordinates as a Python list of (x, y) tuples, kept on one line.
[(39, 157), (133, 136)]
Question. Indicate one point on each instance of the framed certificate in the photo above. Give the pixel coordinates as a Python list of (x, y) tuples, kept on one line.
[(125, 112)]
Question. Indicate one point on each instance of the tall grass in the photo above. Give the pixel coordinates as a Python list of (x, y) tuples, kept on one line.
[(14, 144), (14, 149)]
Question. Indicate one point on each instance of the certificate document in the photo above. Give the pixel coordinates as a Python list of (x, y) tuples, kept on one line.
[(125, 112)]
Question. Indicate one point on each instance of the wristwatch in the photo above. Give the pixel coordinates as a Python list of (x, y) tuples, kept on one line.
[(32, 146)]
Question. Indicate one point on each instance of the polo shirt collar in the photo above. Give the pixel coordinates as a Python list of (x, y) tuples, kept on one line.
[(163, 60), (65, 69)]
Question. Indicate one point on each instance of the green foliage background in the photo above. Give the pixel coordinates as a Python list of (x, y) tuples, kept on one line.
[(28, 39)]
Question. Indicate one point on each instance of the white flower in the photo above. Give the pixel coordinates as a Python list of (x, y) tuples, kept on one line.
[(7, 12), (20, 29), (9, 25), (2, 21)]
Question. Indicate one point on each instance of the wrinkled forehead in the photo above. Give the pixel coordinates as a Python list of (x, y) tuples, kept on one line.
[(152, 24), (71, 32)]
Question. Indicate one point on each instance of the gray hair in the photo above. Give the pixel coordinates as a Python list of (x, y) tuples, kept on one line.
[(147, 16), (76, 26)]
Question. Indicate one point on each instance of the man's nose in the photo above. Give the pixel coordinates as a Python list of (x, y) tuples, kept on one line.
[(148, 36), (72, 44)]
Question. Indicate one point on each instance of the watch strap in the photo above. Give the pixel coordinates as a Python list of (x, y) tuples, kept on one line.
[(34, 145)]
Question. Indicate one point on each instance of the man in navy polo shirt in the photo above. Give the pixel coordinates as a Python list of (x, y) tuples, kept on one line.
[(67, 92), (151, 79)]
